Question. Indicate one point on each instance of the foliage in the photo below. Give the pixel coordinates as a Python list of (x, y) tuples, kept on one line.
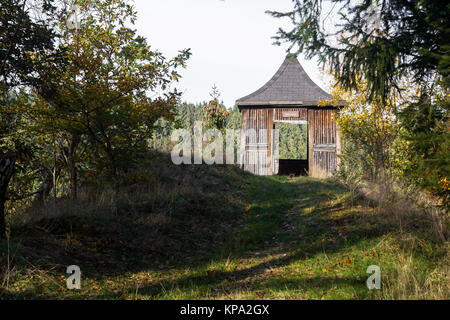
[(234, 119), (186, 115), (427, 131), (376, 41), (293, 141), (369, 131), (103, 93), (385, 44), (78, 104), (26, 27), (215, 113)]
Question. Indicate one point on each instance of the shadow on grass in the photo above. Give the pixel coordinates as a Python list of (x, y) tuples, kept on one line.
[(237, 215)]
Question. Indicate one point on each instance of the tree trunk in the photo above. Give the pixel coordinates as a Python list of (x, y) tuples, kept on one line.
[(46, 186), (7, 163), (115, 179), (73, 177), (113, 168), (69, 154)]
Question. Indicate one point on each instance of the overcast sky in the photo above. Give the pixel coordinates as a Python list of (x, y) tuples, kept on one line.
[(230, 42)]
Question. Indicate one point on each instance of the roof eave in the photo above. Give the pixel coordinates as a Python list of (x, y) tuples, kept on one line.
[(268, 103), (280, 104)]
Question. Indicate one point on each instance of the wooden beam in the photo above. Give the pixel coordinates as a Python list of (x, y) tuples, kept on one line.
[(311, 126)]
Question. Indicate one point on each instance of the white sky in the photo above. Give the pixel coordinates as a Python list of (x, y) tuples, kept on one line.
[(230, 42)]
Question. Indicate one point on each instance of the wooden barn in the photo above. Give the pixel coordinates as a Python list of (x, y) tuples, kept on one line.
[(290, 97)]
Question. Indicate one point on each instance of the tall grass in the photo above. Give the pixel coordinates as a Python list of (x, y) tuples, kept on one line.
[(191, 226), (422, 227)]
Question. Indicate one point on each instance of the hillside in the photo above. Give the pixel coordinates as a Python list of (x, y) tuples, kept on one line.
[(202, 232)]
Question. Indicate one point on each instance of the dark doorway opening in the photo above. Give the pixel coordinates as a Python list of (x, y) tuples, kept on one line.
[(290, 167), (293, 149)]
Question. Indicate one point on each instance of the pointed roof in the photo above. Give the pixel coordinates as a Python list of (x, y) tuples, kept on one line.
[(289, 86)]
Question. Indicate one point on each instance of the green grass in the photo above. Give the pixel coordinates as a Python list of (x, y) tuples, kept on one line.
[(226, 235)]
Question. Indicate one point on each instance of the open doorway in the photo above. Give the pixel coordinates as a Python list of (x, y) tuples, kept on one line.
[(292, 148)]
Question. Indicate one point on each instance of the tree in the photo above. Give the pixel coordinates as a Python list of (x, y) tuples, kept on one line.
[(25, 27), (293, 141), (369, 130), (215, 113), (103, 95), (234, 119), (380, 43), (377, 41), (427, 131)]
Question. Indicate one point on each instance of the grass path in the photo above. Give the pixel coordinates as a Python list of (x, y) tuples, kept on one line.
[(287, 238), (296, 243)]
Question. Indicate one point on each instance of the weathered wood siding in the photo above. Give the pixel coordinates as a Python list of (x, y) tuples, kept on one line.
[(278, 114), (323, 142), (257, 139)]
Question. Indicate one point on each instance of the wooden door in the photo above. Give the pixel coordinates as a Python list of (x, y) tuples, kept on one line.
[(324, 143), (256, 138)]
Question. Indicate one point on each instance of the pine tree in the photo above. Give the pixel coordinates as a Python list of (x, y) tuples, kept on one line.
[(380, 43)]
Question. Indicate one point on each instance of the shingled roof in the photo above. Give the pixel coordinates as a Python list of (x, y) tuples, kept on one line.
[(289, 86)]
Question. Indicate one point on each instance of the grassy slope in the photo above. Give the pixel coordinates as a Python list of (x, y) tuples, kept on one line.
[(216, 233)]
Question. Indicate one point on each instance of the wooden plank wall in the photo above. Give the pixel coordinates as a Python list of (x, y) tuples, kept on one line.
[(323, 142), (257, 144), (257, 141), (278, 114)]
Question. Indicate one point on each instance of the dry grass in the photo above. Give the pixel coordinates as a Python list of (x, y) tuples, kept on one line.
[(408, 209), (409, 277), (423, 227), (198, 232)]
